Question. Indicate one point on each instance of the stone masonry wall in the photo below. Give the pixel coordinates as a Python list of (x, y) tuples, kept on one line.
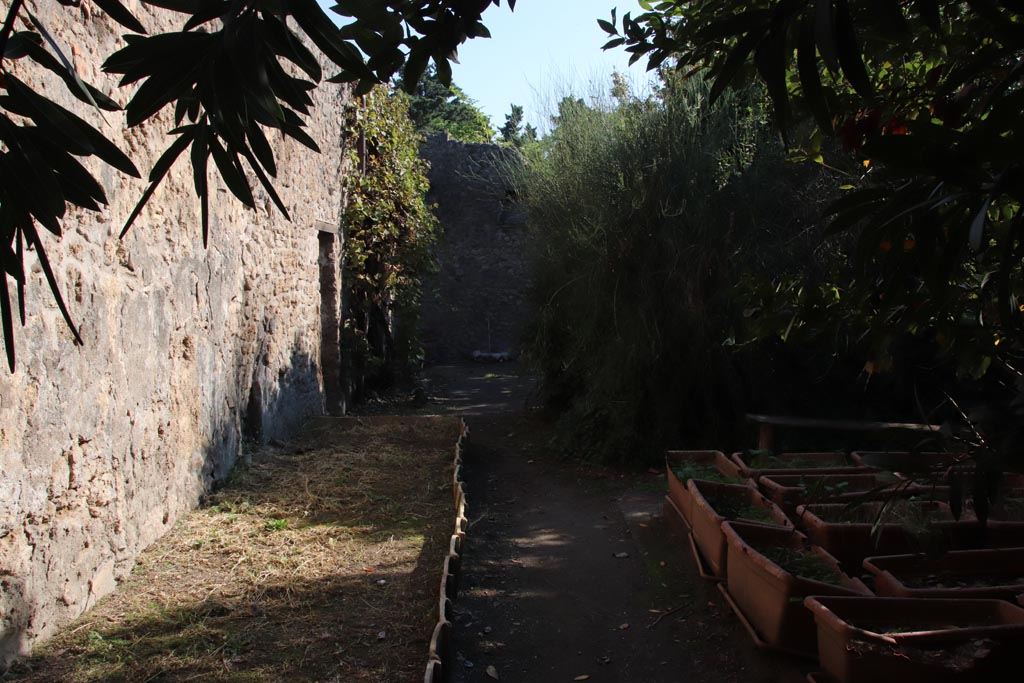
[(187, 351), (477, 301)]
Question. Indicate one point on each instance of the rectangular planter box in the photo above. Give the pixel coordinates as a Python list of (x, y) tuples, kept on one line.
[(1010, 490), (797, 463), (711, 501), (905, 462), (982, 574), (847, 531), (790, 490), (1009, 509), (972, 535), (768, 597), (906, 640), (714, 461), (934, 468)]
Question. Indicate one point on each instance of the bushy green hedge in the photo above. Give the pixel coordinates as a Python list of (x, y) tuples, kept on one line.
[(644, 214)]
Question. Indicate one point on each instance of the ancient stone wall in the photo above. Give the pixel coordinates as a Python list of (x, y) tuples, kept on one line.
[(188, 351), (477, 300)]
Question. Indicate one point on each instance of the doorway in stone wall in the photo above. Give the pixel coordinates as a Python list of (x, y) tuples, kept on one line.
[(330, 318)]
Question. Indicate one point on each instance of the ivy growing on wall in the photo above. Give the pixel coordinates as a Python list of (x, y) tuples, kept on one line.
[(389, 231)]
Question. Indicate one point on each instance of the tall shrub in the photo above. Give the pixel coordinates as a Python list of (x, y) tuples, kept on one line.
[(643, 214), (389, 230)]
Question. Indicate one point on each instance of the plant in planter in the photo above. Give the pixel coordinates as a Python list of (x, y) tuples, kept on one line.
[(971, 534), (714, 503), (953, 483), (906, 640), (852, 532), (907, 463), (755, 463), (790, 490), (1009, 510), (992, 436), (995, 574), (768, 572), (681, 466)]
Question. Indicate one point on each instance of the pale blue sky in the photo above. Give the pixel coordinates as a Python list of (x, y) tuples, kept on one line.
[(538, 52), (543, 51)]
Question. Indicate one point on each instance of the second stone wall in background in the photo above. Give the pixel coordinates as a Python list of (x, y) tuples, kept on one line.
[(477, 300)]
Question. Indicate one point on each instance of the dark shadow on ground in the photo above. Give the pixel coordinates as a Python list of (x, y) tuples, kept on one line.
[(481, 388), (566, 569)]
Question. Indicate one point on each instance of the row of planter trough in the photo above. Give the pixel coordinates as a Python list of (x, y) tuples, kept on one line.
[(852, 560), (439, 659)]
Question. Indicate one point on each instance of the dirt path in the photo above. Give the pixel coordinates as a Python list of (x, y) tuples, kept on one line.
[(571, 572)]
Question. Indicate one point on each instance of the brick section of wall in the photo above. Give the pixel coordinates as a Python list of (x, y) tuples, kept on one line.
[(477, 302), (187, 351)]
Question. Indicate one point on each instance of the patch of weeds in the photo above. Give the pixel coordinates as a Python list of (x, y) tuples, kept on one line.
[(951, 579), (275, 524), (231, 507), (802, 563), (1010, 509), (688, 471), (100, 645), (734, 507), (767, 460)]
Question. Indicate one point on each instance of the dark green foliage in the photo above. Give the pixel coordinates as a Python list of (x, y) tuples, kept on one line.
[(513, 132), (438, 108), (688, 471), (389, 231), (644, 214), (739, 507), (224, 73), (39, 169), (802, 563), (926, 96)]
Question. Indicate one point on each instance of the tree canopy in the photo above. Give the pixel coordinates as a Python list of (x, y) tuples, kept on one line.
[(513, 132), (225, 75), (928, 96), (436, 107)]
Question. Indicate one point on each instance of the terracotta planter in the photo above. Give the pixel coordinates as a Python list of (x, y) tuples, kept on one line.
[(849, 532), (991, 574), (1009, 497), (972, 535), (905, 462), (767, 597), (433, 673), (714, 503), (1009, 509), (797, 463), (790, 490), (931, 469), (866, 640), (711, 462)]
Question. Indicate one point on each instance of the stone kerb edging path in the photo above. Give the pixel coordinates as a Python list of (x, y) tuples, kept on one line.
[(439, 659)]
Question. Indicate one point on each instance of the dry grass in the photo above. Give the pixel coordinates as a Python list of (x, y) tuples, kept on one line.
[(319, 562)]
